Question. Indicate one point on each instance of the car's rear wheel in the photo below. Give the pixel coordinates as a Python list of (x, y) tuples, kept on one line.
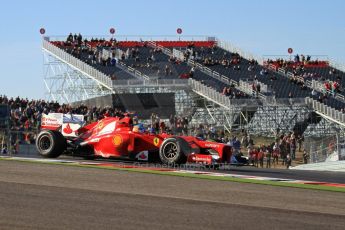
[(170, 152), (50, 144)]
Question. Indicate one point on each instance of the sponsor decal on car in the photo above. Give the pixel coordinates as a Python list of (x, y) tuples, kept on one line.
[(69, 122), (100, 125), (156, 141), (51, 120), (117, 140), (211, 145), (73, 118), (143, 156), (199, 158), (69, 129)]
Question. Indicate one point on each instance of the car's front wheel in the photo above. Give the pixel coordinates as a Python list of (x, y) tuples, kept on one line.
[(170, 152)]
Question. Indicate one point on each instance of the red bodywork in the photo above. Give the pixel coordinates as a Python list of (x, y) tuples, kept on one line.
[(116, 137)]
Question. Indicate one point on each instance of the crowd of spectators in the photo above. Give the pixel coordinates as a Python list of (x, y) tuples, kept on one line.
[(75, 45), (227, 60), (232, 93), (298, 81), (284, 148), (328, 87), (307, 73), (149, 63), (77, 40), (25, 119), (281, 151), (303, 68), (331, 86), (298, 61), (96, 55), (25, 114)]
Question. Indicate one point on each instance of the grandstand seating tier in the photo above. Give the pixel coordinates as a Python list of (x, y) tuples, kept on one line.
[(280, 85)]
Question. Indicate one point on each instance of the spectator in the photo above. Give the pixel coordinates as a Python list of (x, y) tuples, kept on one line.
[(313, 93), (305, 157), (288, 161), (261, 154), (293, 148), (268, 154), (296, 59), (4, 149), (113, 62), (258, 88), (300, 141), (167, 70)]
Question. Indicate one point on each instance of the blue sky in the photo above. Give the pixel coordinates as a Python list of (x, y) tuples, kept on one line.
[(263, 27)]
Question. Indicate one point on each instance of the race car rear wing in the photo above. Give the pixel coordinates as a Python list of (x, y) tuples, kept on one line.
[(67, 124)]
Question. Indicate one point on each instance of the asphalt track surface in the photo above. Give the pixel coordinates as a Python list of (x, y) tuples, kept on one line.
[(320, 176), (44, 196)]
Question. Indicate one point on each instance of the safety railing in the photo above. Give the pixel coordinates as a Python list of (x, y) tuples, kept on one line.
[(212, 73), (178, 54), (209, 93), (123, 66), (331, 113), (283, 72), (77, 64), (337, 65), (290, 58), (108, 53), (153, 44), (132, 71), (268, 101), (224, 101), (247, 87), (319, 86), (151, 82), (235, 49), (308, 83), (135, 37), (312, 84), (340, 97)]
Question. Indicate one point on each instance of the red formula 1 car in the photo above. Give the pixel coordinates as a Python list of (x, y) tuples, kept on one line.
[(117, 137)]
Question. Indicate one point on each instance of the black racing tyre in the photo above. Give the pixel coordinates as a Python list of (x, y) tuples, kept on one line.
[(50, 144), (170, 152), (89, 157)]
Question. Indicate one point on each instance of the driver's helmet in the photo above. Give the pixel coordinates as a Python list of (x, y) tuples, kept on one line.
[(135, 128)]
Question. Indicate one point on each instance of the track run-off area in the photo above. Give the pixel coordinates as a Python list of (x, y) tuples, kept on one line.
[(72, 195), (277, 177)]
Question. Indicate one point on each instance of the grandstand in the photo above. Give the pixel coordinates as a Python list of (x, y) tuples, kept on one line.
[(214, 82)]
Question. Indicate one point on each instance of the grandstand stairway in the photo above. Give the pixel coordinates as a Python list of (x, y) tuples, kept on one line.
[(312, 119), (244, 117)]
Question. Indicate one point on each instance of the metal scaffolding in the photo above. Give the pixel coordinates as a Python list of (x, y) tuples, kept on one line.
[(324, 128), (66, 84), (269, 118)]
